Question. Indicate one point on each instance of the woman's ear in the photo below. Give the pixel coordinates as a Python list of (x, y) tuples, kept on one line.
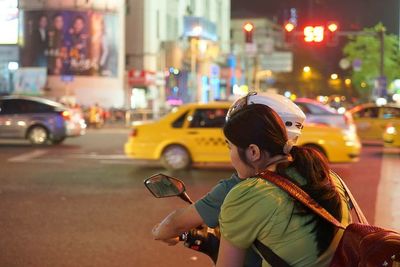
[(253, 153)]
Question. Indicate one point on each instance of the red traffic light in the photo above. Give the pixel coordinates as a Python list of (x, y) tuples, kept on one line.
[(332, 26), (289, 27), (248, 27), (313, 34)]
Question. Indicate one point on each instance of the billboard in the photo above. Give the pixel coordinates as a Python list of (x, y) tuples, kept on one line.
[(71, 42), (29, 81)]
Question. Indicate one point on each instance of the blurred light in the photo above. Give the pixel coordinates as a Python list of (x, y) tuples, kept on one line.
[(244, 89), (332, 27), (289, 27), (197, 30), (341, 110), (347, 81), (235, 89), (287, 94), (293, 97), (171, 70), (337, 99), (363, 84), (8, 123), (248, 27), (175, 89), (306, 69), (381, 101), (397, 83), (202, 46), (391, 130), (176, 71), (308, 34), (21, 123), (13, 65), (334, 76), (396, 97)]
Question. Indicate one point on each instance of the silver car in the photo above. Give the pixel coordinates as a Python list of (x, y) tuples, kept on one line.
[(320, 114), (39, 120)]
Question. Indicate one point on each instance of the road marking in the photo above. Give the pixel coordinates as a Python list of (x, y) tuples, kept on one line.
[(100, 157), (28, 156), (387, 212)]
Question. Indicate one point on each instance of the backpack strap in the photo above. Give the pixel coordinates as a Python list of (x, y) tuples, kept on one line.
[(300, 195), (270, 256), (360, 215)]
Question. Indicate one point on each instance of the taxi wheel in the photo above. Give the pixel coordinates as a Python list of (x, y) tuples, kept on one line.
[(175, 157)]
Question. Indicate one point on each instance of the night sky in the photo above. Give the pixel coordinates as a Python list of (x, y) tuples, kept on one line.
[(351, 14)]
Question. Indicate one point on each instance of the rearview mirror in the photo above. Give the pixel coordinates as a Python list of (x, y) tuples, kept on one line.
[(161, 185)]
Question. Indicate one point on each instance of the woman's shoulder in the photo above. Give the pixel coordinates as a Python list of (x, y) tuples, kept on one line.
[(254, 190)]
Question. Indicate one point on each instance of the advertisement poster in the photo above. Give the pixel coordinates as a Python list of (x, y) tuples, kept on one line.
[(71, 42), (29, 81)]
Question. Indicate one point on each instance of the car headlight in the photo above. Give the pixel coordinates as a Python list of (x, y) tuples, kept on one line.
[(390, 130)]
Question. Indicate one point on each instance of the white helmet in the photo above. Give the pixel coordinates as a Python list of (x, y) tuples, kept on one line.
[(292, 116)]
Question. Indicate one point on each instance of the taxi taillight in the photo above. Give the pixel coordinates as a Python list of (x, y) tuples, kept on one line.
[(134, 132)]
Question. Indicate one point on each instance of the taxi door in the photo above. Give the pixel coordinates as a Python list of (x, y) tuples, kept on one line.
[(389, 116), (205, 136), (368, 123)]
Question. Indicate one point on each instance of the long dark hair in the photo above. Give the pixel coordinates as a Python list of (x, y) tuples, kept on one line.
[(260, 125)]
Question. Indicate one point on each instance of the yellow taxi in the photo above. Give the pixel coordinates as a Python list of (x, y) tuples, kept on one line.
[(371, 120), (192, 134), (391, 136)]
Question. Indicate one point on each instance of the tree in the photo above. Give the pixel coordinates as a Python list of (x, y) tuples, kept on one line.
[(365, 46)]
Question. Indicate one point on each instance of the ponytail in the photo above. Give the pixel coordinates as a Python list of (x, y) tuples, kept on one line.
[(313, 166)]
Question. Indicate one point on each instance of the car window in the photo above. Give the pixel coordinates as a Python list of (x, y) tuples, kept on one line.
[(10, 106), (319, 110), (303, 107), (371, 112), (21, 106), (391, 112), (178, 123), (208, 118)]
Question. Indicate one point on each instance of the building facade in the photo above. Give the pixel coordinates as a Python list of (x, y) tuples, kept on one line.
[(172, 50)]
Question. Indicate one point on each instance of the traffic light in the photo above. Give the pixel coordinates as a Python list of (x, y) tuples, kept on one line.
[(313, 34), (331, 36), (289, 30), (248, 29)]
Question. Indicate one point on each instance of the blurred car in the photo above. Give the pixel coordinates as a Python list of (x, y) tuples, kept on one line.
[(391, 136), (319, 113), (39, 120), (371, 120), (193, 133)]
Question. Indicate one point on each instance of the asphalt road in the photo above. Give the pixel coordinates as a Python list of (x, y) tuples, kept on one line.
[(84, 204)]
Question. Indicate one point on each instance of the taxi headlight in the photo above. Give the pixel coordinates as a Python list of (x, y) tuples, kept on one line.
[(390, 130)]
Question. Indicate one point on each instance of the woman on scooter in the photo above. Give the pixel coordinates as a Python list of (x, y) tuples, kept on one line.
[(256, 209)]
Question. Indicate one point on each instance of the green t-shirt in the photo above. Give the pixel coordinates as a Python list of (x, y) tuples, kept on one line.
[(257, 209), (209, 208)]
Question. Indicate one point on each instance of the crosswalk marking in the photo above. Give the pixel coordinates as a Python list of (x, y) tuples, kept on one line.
[(387, 212), (28, 156)]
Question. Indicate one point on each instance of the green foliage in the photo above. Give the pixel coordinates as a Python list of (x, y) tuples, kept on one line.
[(365, 46)]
